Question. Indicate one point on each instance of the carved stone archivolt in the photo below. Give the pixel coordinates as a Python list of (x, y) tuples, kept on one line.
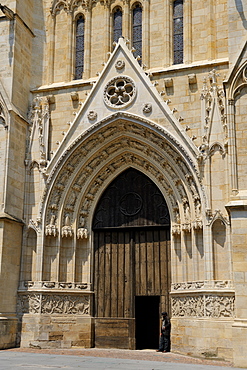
[(53, 304), (120, 144)]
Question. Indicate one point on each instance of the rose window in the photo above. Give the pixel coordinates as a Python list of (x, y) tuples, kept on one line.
[(119, 92)]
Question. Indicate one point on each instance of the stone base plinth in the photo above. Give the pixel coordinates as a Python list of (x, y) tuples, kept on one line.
[(8, 332), (206, 337), (56, 331), (239, 335)]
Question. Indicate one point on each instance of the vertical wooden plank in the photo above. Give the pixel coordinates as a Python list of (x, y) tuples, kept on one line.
[(107, 275), (150, 263), (121, 262), (114, 278), (127, 277), (157, 277), (101, 272), (163, 262), (143, 263), (96, 271), (137, 263)]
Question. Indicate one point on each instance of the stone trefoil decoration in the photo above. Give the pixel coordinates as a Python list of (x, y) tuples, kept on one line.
[(119, 92)]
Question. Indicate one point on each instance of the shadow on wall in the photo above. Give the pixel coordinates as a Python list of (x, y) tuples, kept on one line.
[(240, 9)]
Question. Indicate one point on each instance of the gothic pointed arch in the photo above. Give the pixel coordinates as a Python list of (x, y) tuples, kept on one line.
[(100, 154)]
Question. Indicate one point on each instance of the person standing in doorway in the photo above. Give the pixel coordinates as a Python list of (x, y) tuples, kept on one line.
[(165, 334)]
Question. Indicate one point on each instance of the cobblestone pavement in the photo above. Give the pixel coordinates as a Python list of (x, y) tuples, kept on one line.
[(102, 359)]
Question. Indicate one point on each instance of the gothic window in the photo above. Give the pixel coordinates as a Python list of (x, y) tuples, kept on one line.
[(178, 36), (117, 24), (137, 30), (79, 53)]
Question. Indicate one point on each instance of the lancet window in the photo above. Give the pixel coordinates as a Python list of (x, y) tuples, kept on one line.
[(79, 52), (137, 30), (117, 23), (178, 36)]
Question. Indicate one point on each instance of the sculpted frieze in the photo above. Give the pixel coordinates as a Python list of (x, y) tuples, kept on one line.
[(214, 306), (53, 304)]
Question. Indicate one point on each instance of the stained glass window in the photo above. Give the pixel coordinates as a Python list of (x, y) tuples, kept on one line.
[(79, 54), (117, 24), (137, 30), (178, 36)]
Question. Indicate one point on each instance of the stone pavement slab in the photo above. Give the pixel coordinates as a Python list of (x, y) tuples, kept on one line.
[(98, 359)]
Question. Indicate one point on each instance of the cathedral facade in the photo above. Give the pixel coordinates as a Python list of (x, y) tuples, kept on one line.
[(124, 177)]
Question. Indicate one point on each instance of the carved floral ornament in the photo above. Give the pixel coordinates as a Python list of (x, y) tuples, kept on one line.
[(168, 168)]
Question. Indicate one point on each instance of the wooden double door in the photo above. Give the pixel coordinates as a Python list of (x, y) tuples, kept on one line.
[(131, 262)]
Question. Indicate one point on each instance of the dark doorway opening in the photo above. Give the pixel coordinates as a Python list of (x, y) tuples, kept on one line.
[(147, 322)]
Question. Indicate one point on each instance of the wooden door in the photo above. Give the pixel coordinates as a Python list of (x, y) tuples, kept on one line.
[(131, 255)]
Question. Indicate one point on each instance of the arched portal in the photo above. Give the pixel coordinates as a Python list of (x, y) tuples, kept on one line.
[(131, 262)]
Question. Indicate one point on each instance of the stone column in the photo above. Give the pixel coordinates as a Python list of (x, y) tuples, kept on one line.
[(167, 33), (232, 148), (238, 211), (126, 19), (52, 26), (69, 52), (187, 32), (87, 54), (146, 33)]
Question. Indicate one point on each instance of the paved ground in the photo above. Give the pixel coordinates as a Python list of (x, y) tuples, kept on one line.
[(103, 359)]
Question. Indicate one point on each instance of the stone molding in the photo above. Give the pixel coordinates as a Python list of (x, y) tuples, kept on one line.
[(202, 285), (53, 304), (53, 285)]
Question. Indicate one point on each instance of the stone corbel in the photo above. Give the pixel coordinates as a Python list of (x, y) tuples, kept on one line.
[(186, 227), (192, 78), (176, 229), (51, 230), (197, 224), (168, 82), (67, 232), (82, 233), (74, 96)]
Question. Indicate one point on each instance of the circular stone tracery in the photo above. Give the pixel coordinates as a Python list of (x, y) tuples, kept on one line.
[(119, 92)]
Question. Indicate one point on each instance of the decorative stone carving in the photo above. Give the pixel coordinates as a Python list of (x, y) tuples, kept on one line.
[(170, 162), (67, 230), (147, 108), (176, 229), (92, 115), (39, 119), (211, 96), (120, 64), (119, 92), (214, 306), (51, 229), (82, 233), (53, 304), (74, 96), (192, 78)]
